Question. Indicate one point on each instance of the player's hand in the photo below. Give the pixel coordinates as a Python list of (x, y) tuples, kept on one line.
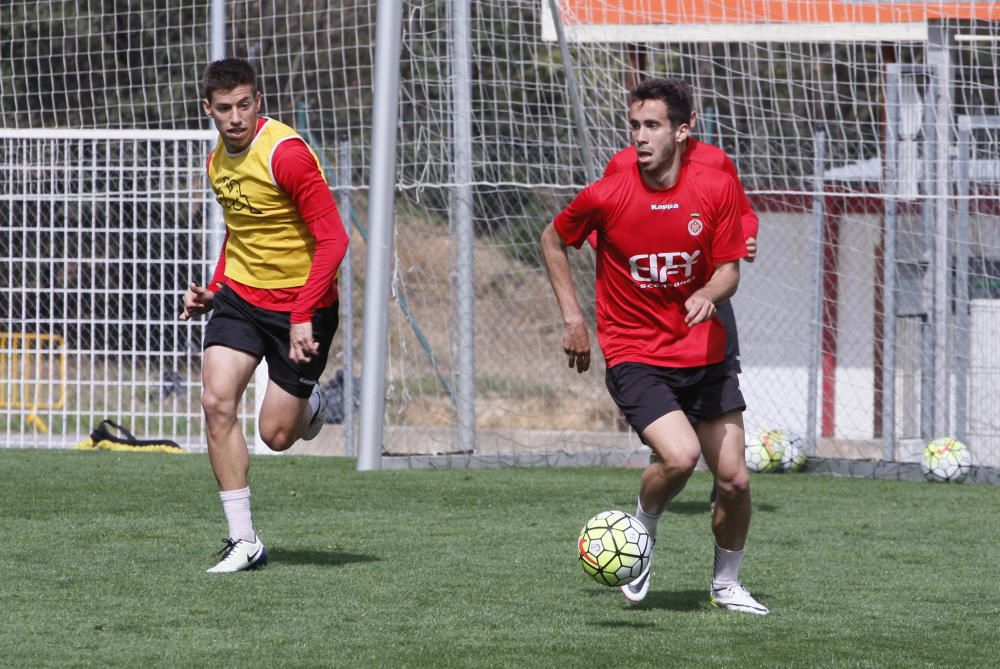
[(197, 301), (576, 346), (301, 346), (699, 309), (751, 249)]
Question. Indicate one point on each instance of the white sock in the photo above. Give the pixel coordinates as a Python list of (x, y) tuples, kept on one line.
[(236, 506), (727, 567), (314, 401), (646, 519)]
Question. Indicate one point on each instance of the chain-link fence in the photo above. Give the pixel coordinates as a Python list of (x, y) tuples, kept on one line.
[(848, 149)]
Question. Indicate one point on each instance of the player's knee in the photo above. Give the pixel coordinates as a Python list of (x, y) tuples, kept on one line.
[(734, 487), (679, 464), (280, 443), (218, 408), (277, 438)]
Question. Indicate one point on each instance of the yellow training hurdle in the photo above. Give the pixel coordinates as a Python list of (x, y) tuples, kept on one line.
[(32, 374)]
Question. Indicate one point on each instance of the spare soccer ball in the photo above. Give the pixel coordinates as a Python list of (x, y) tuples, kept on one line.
[(614, 548), (763, 452), (793, 454), (946, 460)]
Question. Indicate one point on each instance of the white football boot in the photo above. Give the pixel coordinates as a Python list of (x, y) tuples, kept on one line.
[(316, 422), (240, 555), (637, 590), (736, 598)]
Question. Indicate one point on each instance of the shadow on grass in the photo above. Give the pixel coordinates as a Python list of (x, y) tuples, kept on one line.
[(625, 624), (689, 508), (319, 558), (672, 600), (697, 508), (684, 600)]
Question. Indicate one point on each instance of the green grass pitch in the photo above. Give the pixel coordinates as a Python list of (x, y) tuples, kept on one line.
[(103, 558)]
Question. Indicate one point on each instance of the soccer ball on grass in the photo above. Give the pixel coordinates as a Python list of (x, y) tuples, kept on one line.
[(946, 460), (614, 548), (763, 452), (793, 455)]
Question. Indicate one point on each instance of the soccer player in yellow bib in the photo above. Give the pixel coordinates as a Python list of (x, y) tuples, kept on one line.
[(273, 294)]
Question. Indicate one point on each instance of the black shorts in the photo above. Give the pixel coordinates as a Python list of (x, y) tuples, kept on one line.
[(644, 393), (239, 325), (725, 313)]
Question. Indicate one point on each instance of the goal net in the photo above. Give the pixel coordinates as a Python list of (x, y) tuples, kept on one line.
[(844, 120), (100, 231)]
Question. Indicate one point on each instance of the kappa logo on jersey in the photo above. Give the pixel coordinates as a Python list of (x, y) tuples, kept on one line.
[(663, 207), (661, 270), (231, 196)]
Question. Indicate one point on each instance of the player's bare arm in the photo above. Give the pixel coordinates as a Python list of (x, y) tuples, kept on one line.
[(576, 339), (197, 301), (701, 305), (301, 345)]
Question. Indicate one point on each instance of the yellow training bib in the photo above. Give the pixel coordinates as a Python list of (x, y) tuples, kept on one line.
[(269, 245)]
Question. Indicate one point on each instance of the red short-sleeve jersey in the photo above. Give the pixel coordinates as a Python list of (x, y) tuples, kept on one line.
[(656, 248), (703, 154)]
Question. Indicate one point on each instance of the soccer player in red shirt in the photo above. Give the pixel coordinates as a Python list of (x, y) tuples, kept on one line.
[(670, 241), (697, 151), (702, 153), (273, 294)]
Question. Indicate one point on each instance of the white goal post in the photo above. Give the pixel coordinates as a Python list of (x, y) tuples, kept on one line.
[(101, 231)]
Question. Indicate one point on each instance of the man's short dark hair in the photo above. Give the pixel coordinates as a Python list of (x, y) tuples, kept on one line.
[(674, 93), (227, 74)]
